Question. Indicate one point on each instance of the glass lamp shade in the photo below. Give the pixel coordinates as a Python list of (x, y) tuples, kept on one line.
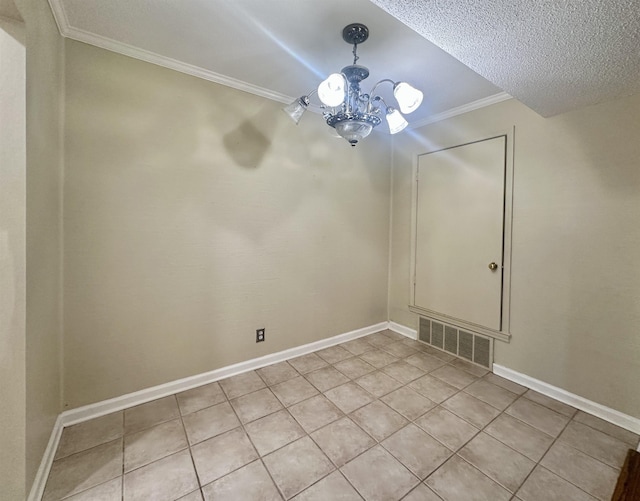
[(409, 98), (296, 109), (396, 121), (354, 130), (332, 90)]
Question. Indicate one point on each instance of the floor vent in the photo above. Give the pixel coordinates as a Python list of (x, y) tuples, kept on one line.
[(473, 347)]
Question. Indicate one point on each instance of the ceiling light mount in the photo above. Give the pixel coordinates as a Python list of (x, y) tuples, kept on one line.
[(350, 112), (355, 33)]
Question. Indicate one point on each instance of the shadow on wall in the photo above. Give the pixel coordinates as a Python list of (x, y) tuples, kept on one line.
[(246, 144)]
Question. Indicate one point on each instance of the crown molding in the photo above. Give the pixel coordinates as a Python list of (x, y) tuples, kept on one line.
[(460, 110), (67, 31)]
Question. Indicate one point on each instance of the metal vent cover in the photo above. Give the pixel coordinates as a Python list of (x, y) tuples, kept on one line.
[(471, 346)]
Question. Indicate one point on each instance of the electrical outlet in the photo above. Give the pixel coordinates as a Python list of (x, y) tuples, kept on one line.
[(260, 335)]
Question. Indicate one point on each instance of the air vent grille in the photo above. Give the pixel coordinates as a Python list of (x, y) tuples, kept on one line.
[(468, 345)]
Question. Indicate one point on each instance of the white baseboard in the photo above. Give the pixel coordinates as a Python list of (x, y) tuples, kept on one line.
[(37, 488), (80, 414), (404, 330), (98, 409), (611, 415)]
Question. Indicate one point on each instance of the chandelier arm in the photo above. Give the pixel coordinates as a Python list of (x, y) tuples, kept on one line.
[(373, 97)]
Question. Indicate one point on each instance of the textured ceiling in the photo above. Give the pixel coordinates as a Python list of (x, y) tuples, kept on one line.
[(553, 55), (279, 49)]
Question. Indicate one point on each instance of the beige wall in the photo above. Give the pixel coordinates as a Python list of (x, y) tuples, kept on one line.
[(36, 191), (12, 259), (576, 240), (194, 214)]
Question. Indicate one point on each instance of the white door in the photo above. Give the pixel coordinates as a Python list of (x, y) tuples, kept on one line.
[(459, 233)]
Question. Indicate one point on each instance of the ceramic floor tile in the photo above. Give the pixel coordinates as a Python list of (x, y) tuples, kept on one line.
[(349, 397), (357, 346), (326, 378), (542, 485), (425, 362), (378, 358), (250, 483), (457, 480), (445, 357), (433, 388), (589, 474), (209, 422), (315, 413), (277, 373), (342, 440), (491, 394), (223, 454), (293, 391), (307, 363), (455, 377), (418, 451), (256, 405), (297, 466), (192, 496), (199, 398), (333, 487), (242, 384), (379, 339), (109, 491), (595, 443), (505, 383), (378, 476), (83, 470), (399, 349), (422, 493), (334, 354), (83, 436), (164, 480), (402, 371), (273, 431), (153, 443), (150, 414), (408, 402), (520, 436), (474, 369), (610, 429), (447, 428), (378, 420), (551, 403), (394, 336), (500, 463), (354, 367), (378, 383), (538, 416), (471, 409)]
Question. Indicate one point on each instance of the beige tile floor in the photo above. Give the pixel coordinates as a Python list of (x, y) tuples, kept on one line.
[(378, 418)]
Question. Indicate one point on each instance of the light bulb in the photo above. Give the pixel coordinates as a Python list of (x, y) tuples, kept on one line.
[(332, 90), (408, 97), (396, 121)]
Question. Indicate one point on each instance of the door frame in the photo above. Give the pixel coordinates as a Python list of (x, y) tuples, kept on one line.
[(504, 334)]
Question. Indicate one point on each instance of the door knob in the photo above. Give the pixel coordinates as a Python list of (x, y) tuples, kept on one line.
[(493, 266)]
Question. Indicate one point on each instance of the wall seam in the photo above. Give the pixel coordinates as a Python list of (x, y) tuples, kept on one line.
[(61, 170), (390, 249)]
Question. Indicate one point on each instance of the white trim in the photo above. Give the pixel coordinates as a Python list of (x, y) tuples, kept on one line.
[(80, 414), (460, 110), (403, 329), (37, 488), (611, 415), (98, 409)]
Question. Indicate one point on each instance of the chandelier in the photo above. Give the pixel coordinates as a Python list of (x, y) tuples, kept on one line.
[(350, 112)]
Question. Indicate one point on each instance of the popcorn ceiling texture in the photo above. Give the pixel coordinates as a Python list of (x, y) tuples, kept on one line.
[(552, 55)]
